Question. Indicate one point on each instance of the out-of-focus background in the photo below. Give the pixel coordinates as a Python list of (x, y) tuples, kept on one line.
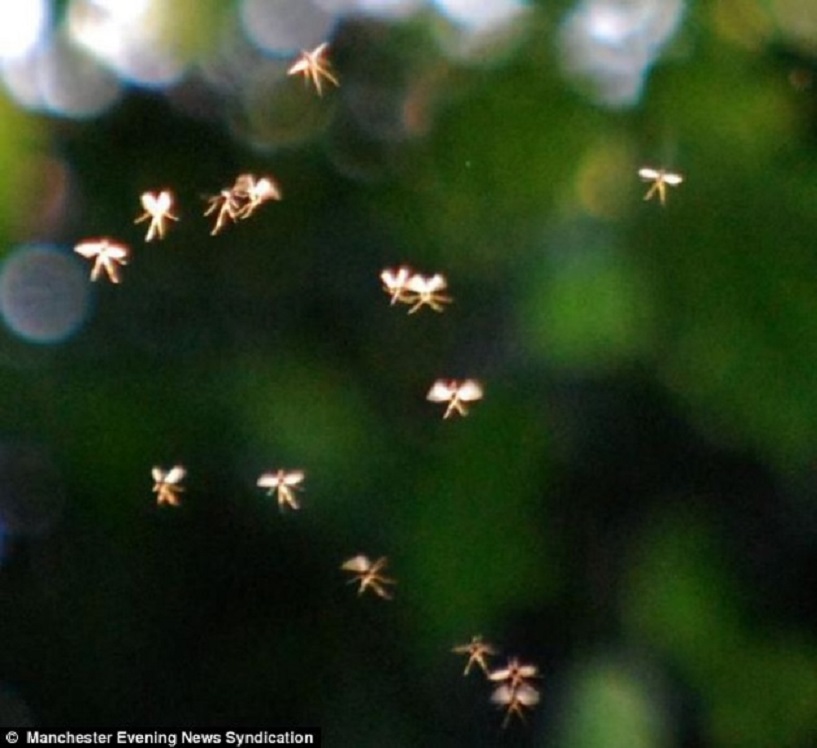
[(633, 506)]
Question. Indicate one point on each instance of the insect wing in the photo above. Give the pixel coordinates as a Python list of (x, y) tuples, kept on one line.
[(394, 281), (649, 174), (266, 189), (301, 66), (359, 564), (436, 283), (469, 390), (419, 284), (527, 671), (118, 252), (164, 202), (526, 695), (150, 202), (673, 179), (244, 185), (502, 674), (269, 480), (175, 475), (503, 695), (293, 478), (89, 249), (441, 392), (158, 475)]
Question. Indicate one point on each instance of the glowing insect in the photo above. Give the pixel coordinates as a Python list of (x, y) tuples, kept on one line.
[(394, 284), (157, 209), (283, 484), (660, 179), (515, 699), (477, 650), (253, 193), (314, 66), (428, 291), (107, 256), (368, 575), (228, 207), (166, 484), (456, 394)]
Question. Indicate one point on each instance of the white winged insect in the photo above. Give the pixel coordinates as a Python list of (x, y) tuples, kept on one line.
[(107, 257), (428, 292), (457, 394), (515, 699), (660, 179), (254, 193), (477, 650), (394, 284), (166, 484), (158, 209), (368, 576), (283, 484), (314, 66)]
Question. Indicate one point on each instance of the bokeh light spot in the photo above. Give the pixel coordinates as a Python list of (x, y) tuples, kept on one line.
[(612, 44), (479, 15), (22, 25), (133, 39), (394, 9), (44, 294), (285, 26)]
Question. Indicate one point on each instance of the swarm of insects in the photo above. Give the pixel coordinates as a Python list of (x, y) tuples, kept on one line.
[(407, 287), (367, 574), (166, 484), (660, 179), (283, 484), (107, 256), (157, 209), (241, 200), (314, 66), (456, 393), (477, 651)]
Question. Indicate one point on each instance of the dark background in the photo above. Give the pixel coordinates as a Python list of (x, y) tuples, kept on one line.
[(631, 507)]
